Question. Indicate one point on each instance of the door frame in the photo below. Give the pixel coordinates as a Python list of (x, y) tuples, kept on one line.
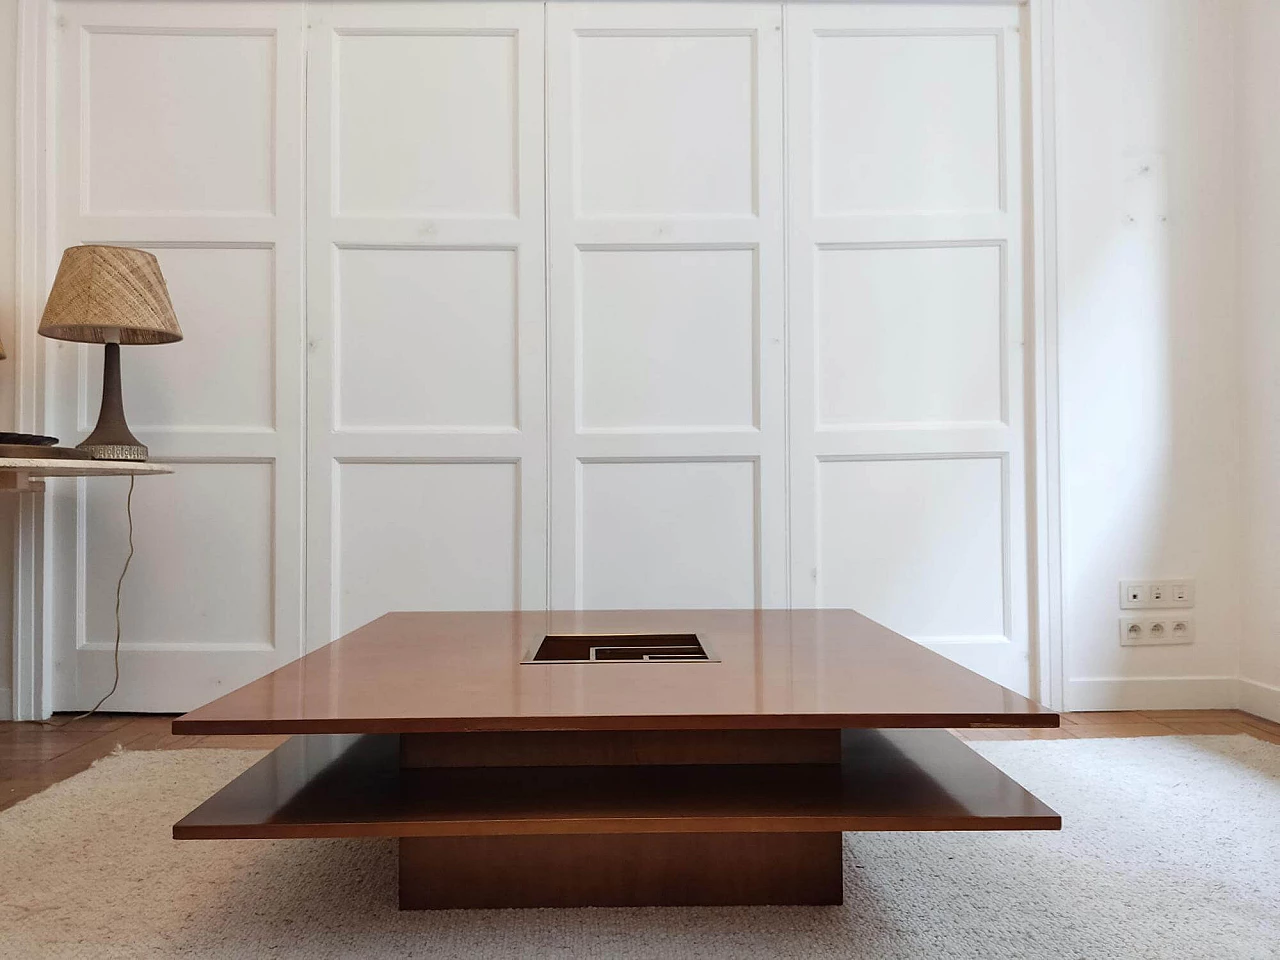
[(31, 696), (32, 663), (1040, 210)]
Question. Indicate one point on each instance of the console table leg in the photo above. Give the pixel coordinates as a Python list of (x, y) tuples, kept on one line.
[(613, 870)]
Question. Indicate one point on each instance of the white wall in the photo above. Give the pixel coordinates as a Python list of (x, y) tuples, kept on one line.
[(1149, 340), (1258, 82), (8, 102)]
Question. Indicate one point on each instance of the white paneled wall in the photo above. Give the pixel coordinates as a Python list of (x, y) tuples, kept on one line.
[(629, 304)]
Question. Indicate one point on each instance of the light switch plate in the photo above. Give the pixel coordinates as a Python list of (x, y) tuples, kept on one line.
[(1157, 594)]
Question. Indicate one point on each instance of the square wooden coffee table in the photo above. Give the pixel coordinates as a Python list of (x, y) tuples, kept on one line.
[(656, 757)]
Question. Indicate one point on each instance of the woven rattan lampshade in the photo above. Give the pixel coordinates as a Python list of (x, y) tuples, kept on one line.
[(110, 295), (101, 290)]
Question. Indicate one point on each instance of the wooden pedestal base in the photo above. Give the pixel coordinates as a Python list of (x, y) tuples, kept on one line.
[(620, 870)]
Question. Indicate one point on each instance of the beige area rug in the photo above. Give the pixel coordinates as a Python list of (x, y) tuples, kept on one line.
[(1171, 850)]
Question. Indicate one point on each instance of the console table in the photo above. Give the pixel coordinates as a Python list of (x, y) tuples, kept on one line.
[(617, 757), (18, 474)]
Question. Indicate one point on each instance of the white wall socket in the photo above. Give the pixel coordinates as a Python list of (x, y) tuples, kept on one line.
[(1157, 594), (1156, 631)]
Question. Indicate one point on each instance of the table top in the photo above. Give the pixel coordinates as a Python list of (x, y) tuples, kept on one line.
[(50, 467), (776, 669)]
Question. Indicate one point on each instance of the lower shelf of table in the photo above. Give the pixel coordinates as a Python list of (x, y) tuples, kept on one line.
[(338, 786)]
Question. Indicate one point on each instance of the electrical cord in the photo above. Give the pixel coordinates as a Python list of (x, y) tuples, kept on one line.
[(115, 684)]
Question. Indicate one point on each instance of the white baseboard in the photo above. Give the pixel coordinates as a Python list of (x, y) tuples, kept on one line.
[(1260, 699), (1152, 693), (6, 703)]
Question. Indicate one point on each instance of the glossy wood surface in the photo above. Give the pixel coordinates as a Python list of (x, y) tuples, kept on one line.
[(424, 672), (325, 786), (621, 870)]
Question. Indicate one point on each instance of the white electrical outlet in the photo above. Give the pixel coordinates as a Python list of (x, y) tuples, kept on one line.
[(1156, 631), (1132, 632), (1157, 594)]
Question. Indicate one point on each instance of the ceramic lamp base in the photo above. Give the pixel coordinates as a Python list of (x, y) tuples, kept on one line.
[(111, 438), (114, 451)]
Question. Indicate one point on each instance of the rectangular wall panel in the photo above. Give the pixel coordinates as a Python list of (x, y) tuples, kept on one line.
[(201, 576), (909, 334), (427, 123), (427, 338), (665, 231), (917, 545), (668, 339), (425, 536), (177, 120), (679, 144), (689, 526), (905, 122)]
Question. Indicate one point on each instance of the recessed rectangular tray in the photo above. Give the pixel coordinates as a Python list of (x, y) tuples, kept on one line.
[(621, 648), (336, 786)]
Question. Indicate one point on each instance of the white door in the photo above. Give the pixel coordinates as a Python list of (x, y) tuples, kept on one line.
[(425, 255), (906, 323), (179, 129), (668, 463)]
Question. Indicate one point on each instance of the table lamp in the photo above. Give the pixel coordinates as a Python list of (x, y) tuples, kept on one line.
[(110, 295)]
